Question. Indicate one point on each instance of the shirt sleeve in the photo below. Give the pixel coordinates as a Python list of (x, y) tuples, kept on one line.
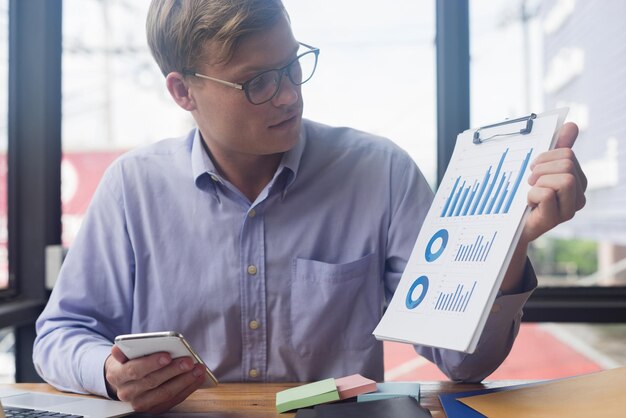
[(495, 342), (91, 300), (410, 201)]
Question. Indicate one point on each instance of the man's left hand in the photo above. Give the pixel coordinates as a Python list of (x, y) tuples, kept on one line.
[(558, 186)]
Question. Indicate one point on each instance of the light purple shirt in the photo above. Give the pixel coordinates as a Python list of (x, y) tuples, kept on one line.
[(168, 244)]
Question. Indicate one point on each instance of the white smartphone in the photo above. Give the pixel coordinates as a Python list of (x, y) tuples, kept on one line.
[(138, 345)]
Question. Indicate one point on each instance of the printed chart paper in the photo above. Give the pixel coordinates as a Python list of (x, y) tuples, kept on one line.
[(468, 237)]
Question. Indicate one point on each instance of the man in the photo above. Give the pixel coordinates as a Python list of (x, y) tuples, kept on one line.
[(270, 242)]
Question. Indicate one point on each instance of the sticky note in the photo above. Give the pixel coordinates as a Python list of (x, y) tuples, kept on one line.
[(353, 385), (389, 390), (307, 395)]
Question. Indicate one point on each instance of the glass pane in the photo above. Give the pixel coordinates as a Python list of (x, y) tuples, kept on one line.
[(114, 97), (375, 71), (531, 56), (4, 131), (7, 356)]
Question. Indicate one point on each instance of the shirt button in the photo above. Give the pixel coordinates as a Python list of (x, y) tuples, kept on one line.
[(252, 213), (214, 178), (252, 270), (495, 308), (254, 324), (253, 373)]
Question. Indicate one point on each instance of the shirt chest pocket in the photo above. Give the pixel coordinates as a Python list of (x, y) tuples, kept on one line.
[(334, 306)]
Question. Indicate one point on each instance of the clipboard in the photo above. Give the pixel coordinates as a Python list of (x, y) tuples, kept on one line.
[(468, 237)]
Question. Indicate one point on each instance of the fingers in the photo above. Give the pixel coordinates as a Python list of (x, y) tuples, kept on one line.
[(565, 191), (171, 393), (562, 151), (139, 383), (545, 213), (136, 369), (153, 383), (558, 185), (561, 162)]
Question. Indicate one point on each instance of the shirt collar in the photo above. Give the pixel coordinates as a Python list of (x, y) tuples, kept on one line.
[(202, 166), (203, 170), (291, 159)]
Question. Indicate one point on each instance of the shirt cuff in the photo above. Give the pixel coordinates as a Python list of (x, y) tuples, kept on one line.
[(507, 306), (92, 370)]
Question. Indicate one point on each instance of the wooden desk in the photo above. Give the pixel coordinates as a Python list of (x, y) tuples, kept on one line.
[(239, 400)]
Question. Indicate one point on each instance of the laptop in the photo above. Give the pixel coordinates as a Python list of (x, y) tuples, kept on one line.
[(62, 404)]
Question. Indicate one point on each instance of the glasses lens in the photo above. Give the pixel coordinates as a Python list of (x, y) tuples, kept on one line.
[(262, 87), (301, 70)]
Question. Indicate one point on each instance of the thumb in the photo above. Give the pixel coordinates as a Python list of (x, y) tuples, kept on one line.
[(117, 354), (567, 135)]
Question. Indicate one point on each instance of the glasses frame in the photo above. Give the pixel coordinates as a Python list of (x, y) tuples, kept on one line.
[(282, 70)]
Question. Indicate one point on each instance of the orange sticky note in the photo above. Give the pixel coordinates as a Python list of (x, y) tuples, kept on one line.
[(354, 385)]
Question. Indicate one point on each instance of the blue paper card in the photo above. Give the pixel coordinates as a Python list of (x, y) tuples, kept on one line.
[(388, 390)]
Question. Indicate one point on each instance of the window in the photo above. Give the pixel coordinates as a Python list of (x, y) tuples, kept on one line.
[(376, 69), (530, 56), (114, 97)]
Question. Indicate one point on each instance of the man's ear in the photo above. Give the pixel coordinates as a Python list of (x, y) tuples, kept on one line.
[(179, 91)]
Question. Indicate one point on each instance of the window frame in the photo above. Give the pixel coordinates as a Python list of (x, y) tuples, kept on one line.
[(34, 167)]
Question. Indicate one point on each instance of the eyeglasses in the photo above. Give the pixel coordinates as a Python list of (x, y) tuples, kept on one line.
[(264, 86)]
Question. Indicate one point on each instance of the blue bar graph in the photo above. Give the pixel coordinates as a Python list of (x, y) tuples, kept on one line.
[(454, 301), (492, 195), (476, 251), (517, 181)]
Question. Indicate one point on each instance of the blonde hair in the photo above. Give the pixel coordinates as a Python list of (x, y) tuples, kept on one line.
[(178, 30)]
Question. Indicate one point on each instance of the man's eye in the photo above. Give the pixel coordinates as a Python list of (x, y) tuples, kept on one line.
[(261, 82)]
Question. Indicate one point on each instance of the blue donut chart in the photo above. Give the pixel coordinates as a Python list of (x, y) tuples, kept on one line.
[(413, 303), (429, 254)]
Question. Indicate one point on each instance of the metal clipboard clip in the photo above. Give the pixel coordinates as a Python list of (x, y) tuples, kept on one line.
[(526, 124)]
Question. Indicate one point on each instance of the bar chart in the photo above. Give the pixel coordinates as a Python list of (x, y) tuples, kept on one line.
[(493, 194), (477, 251), (455, 301)]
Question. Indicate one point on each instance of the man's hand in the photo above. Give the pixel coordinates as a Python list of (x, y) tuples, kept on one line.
[(557, 192), (558, 186), (154, 383)]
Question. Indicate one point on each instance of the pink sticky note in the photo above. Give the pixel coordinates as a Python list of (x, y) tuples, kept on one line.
[(354, 385)]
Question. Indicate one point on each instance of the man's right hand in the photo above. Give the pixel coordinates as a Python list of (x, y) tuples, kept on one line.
[(154, 383)]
